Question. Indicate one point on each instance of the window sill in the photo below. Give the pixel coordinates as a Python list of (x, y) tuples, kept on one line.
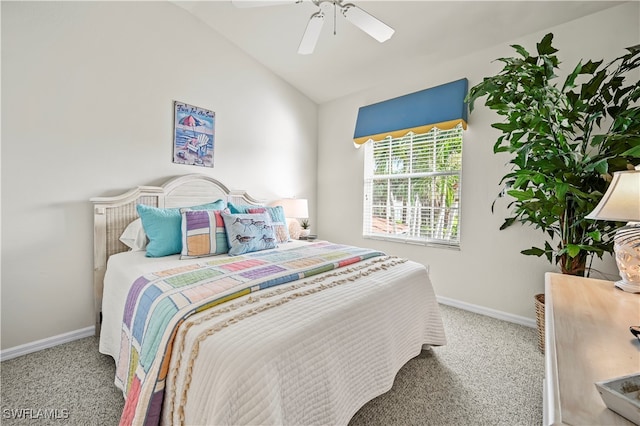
[(434, 244)]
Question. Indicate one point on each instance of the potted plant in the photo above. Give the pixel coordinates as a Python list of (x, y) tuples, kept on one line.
[(306, 228), (565, 142), (563, 158)]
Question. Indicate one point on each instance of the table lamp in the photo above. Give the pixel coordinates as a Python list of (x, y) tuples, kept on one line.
[(621, 203), (294, 209)]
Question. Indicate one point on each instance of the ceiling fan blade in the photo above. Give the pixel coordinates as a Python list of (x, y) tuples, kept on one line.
[(367, 23), (243, 4), (311, 34)]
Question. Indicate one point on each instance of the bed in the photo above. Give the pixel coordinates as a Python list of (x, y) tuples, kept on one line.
[(301, 333)]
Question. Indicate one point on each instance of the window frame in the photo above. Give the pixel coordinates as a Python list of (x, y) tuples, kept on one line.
[(452, 213)]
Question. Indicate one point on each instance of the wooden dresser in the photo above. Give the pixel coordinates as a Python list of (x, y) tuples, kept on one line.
[(587, 340)]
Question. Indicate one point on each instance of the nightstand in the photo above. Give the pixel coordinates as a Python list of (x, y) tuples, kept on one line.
[(587, 340)]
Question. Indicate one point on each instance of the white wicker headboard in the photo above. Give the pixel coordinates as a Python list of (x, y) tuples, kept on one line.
[(111, 215)]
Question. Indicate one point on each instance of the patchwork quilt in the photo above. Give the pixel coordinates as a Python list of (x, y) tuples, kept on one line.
[(159, 302)]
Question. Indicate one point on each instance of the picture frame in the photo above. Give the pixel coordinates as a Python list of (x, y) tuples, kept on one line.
[(193, 135)]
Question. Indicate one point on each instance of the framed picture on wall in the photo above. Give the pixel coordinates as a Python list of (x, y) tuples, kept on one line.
[(193, 135)]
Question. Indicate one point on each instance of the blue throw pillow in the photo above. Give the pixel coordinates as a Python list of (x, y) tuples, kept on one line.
[(249, 232), (239, 208), (164, 227)]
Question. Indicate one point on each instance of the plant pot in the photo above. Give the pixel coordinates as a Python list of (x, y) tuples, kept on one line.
[(305, 232), (539, 299)]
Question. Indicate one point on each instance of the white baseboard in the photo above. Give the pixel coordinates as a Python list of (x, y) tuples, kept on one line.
[(516, 319), (49, 342)]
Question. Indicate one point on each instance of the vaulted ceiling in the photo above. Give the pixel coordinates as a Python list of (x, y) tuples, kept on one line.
[(350, 60)]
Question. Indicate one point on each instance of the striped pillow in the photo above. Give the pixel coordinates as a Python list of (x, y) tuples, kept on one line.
[(203, 233)]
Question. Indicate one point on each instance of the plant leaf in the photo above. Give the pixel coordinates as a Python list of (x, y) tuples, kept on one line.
[(507, 223), (521, 50), (561, 190), (632, 152), (595, 235), (544, 47), (571, 79), (533, 251), (573, 250)]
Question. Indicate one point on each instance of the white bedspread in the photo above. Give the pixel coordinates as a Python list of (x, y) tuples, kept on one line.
[(310, 352)]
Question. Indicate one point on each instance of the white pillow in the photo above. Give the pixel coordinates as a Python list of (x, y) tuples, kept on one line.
[(134, 236)]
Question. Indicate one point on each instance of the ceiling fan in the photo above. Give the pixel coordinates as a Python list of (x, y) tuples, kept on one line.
[(357, 16)]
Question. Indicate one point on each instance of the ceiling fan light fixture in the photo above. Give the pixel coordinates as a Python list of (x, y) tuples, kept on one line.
[(311, 34), (367, 23)]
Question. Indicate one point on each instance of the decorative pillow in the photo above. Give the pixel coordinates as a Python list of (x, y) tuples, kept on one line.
[(248, 232), (133, 236), (239, 208), (278, 221), (164, 227), (203, 233)]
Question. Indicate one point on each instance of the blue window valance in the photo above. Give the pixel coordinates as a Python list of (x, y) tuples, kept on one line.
[(441, 106)]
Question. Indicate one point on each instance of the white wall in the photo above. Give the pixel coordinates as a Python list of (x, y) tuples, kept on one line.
[(488, 270), (87, 98)]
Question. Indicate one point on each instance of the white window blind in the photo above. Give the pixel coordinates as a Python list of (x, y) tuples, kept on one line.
[(412, 188)]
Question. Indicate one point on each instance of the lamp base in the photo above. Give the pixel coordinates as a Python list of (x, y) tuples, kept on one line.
[(294, 229), (626, 247), (628, 287)]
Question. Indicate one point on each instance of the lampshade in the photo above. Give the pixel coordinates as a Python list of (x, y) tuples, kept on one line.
[(621, 202), (297, 208)]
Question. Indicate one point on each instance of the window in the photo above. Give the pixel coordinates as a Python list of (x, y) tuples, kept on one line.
[(412, 188)]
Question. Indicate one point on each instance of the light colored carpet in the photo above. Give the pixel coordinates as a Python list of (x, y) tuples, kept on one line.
[(489, 373)]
